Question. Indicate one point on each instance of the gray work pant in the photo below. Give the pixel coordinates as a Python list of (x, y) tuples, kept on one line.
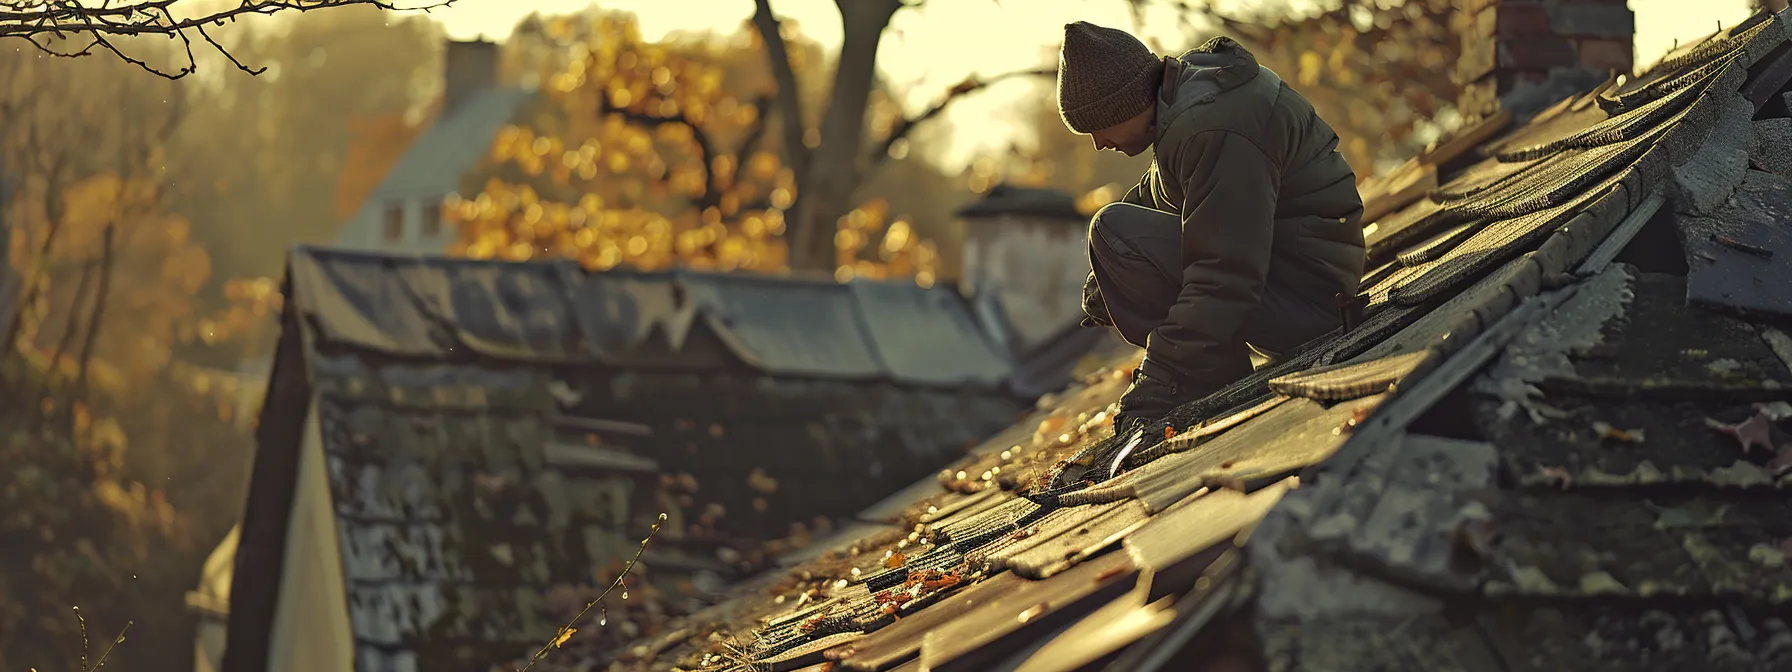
[(1135, 254)]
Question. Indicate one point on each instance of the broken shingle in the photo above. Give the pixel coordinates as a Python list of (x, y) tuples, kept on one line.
[(1413, 531), (1740, 257), (1773, 145), (1705, 181)]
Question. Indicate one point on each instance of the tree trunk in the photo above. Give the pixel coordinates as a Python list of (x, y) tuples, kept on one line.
[(98, 318), (834, 171), (789, 97)]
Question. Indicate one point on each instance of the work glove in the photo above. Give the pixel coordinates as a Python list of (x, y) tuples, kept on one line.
[(1146, 402), (1095, 309)]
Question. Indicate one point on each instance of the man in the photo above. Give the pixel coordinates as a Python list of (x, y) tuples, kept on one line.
[(1242, 235)]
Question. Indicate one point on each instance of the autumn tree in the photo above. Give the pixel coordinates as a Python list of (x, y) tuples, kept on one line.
[(644, 155), (96, 415)]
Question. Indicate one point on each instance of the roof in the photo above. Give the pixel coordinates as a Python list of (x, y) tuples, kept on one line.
[(376, 144), (435, 163), (1555, 442), (1009, 199), (437, 307), (497, 437)]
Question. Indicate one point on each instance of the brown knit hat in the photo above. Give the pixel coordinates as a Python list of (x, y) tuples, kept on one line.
[(1105, 76)]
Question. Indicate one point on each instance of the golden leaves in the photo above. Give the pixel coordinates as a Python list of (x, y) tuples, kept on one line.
[(1378, 72), (639, 159)]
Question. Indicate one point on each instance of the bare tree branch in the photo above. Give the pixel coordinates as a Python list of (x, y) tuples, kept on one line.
[(62, 20), (972, 84)]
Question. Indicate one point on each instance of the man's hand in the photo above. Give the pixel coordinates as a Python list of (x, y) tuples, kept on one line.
[(1148, 400)]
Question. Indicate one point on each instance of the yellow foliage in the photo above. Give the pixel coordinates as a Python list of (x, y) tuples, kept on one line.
[(640, 157), (156, 269), (1380, 72)]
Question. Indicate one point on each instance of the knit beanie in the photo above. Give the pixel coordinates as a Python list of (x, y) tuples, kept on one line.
[(1105, 76)]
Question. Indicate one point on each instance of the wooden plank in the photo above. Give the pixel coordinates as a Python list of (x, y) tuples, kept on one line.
[(1406, 184), (1466, 139)]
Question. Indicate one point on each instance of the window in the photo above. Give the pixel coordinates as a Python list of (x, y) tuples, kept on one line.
[(432, 219), (394, 222)]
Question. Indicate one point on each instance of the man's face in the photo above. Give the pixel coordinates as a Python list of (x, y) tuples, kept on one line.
[(1131, 137)]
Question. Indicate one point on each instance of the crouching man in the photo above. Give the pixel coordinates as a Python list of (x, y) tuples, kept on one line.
[(1242, 235)]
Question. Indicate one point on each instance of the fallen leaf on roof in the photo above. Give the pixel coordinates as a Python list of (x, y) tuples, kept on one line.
[(1724, 367), (1781, 462), (1479, 536), (1169, 432), (1755, 431), (1775, 411), (1361, 414), (762, 482), (895, 560), (1770, 556), (1606, 431), (1691, 514), (1556, 476)]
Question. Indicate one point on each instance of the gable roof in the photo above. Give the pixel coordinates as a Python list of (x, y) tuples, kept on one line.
[(376, 144), (434, 164), (554, 312), (492, 433), (1591, 477)]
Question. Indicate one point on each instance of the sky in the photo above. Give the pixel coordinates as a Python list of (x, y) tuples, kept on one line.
[(939, 44)]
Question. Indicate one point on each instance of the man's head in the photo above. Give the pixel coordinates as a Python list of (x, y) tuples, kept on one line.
[(1107, 87)]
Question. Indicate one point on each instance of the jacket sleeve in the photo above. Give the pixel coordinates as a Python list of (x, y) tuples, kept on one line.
[(1230, 192)]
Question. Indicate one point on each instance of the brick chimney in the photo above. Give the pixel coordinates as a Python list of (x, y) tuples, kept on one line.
[(467, 67), (1524, 55)]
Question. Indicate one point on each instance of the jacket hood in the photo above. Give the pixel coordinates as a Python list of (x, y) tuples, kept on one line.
[(1200, 74)]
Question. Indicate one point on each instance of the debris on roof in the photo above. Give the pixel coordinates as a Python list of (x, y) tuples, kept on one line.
[(1531, 419)]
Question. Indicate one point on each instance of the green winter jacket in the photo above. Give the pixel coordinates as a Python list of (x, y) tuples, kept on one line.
[(1264, 197)]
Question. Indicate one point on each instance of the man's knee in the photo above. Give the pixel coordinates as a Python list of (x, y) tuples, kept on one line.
[(1118, 222)]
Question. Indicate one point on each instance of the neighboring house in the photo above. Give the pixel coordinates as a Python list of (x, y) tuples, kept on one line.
[(1026, 255), (404, 213), (1028, 248), (447, 441), (1556, 441)]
